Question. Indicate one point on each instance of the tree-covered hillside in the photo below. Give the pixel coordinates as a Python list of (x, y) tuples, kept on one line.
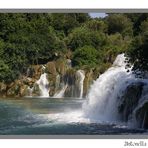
[(31, 39)]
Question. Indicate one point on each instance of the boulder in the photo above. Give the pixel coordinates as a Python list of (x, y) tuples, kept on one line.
[(51, 68), (129, 100), (23, 90), (14, 90), (35, 71), (61, 66)]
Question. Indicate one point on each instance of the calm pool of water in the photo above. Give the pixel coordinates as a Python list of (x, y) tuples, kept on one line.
[(52, 116)]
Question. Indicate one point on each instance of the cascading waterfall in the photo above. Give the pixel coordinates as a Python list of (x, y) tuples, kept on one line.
[(75, 90), (73, 85), (111, 98), (30, 91), (43, 85), (81, 75), (102, 99), (61, 93)]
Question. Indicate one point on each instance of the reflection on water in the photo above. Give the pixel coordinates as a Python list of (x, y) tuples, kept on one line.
[(51, 116)]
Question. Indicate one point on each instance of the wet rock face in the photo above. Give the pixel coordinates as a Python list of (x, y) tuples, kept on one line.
[(34, 71), (142, 115), (35, 90), (61, 66), (60, 74), (87, 82), (3, 88), (69, 78), (51, 76), (17, 89), (134, 104), (50, 68), (130, 99)]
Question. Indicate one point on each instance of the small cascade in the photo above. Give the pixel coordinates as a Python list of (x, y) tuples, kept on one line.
[(30, 90), (43, 85), (69, 86), (61, 93), (73, 81), (81, 77)]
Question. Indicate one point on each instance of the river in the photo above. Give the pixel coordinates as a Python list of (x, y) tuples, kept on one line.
[(53, 116)]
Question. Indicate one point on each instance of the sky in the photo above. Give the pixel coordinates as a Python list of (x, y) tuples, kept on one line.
[(94, 15)]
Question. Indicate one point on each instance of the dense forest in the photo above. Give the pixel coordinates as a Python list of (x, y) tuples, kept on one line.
[(30, 39)]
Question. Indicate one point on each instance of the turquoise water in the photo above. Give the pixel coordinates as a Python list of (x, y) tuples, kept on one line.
[(51, 116)]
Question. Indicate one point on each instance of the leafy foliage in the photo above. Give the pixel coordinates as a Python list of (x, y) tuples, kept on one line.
[(86, 55), (31, 38), (82, 36), (119, 23), (138, 51)]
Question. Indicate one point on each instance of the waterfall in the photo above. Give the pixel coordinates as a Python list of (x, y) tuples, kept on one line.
[(81, 76), (71, 87), (61, 93), (57, 82), (102, 99), (30, 91), (43, 85), (76, 89)]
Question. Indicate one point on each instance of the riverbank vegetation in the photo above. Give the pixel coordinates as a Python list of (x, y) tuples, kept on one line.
[(31, 39)]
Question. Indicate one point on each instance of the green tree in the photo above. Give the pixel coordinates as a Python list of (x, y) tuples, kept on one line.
[(137, 19), (68, 21), (96, 25), (85, 56), (144, 27), (82, 36), (27, 39), (138, 53), (119, 23)]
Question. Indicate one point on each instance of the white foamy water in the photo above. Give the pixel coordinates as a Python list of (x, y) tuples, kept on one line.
[(30, 90), (69, 117), (43, 85), (81, 75), (102, 99)]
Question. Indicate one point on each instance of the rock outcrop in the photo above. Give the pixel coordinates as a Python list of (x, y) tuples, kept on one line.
[(133, 104), (60, 73), (130, 99)]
